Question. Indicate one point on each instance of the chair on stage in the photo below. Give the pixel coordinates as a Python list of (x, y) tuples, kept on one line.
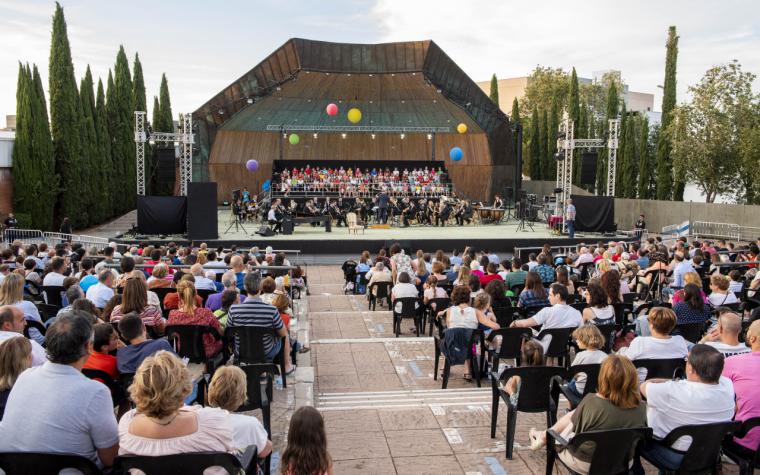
[(353, 224)]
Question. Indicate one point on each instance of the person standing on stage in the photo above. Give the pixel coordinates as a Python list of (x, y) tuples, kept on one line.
[(382, 205), (570, 218)]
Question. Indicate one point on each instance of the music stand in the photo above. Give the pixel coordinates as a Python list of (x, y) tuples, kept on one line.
[(524, 210), (237, 223)]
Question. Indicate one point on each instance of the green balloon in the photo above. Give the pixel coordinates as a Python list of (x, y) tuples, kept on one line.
[(294, 139)]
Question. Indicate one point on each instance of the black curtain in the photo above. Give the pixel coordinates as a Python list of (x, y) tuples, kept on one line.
[(202, 219), (594, 213), (162, 214)]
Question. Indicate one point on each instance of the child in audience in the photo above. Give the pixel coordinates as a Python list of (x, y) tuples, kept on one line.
[(532, 354), (282, 303), (736, 284), (590, 341), (227, 391), (306, 453), (105, 341), (229, 298)]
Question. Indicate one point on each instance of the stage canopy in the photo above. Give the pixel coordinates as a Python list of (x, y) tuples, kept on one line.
[(399, 85)]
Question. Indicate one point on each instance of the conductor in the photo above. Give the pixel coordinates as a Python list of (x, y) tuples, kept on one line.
[(382, 206)]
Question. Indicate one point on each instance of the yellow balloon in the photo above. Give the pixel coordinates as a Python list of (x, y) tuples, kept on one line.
[(354, 115), (462, 128)]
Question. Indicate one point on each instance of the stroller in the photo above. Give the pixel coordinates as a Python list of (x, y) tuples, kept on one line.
[(349, 274)]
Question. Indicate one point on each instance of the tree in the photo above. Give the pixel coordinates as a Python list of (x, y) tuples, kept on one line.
[(749, 149), (581, 132), (628, 167), (612, 113), (494, 95), (166, 122), (545, 85), (551, 140), (543, 134), (65, 121), (534, 156), (644, 159), (574, 111), (123, 149), (705, 135), (104, 191), (515, 117), (48, 183), (665, 177), (89, 181), (112, 125)]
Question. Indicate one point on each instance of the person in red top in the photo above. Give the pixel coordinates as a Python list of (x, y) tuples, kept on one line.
[(492, 273), (106, 340), (190, 312), (172, 300)]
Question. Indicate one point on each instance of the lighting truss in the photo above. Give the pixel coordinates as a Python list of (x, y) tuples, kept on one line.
[(183, 138), (356, 128)]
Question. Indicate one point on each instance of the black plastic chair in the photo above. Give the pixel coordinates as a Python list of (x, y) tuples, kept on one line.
[(511, 345), (249, 341), (186, 464), (608, 332), (162, 292), (532, 310), (741, 455), (47, 311), (187, 341), (53, 295), (431, 310), (40, 327), (613, 449), (117, 391), (362, 281), (535, 396), (592, 380), (408, 310), (505, 315), (668, 368), (204, 293), (516, 289), (383, 291), (45, 463), (476, 338), (559, 345), (704, 452), (259, 395), (691, 331)]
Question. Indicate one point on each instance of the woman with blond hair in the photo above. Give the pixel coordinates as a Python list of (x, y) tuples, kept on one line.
[(189, 313), (15, 358), (12, 293), (161, 423), (616, 405)]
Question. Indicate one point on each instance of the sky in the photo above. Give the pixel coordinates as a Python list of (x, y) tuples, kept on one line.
[(204, 46)]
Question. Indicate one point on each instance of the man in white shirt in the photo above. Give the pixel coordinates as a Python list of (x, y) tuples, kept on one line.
[(680, 268), (12, 323), (55, 277), (725, 336), (101, 293), (532, 262), (703, 397), (116, 253), (584, 257), (559, 315), (201, 281)]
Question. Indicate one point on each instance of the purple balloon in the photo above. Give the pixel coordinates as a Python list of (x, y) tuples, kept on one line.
[(252, 165)]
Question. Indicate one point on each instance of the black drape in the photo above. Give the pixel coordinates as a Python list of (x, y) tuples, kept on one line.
[(594, 213), (162, 214)]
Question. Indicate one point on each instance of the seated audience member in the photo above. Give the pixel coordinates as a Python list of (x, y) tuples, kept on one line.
[(544, 270), (214, 301), (736, 284), (101, 293), (474, 283), (516, 276), (439, 271), (132, 330), (229, 298), (559, 315), (498, 293), (616, 405), (692, 309), (306, 453), (135, 299), (379, 274), (12, 324), (531, 354), (590, 341), (404, 288), (599, 311), (432, 291), (238, 268), (55, 277), (661, 344), (475, 269), (703, 397), (534, 293), (563, 278), (725, 336), (105, 314), (721, 295), (72, 414), (189, 313), (492, 273), (106, 341), (201, 281), (158, 278), (680, 266), (171, 301), (268, 287), (15, 358), (12, 293), (254, 312), (227, 391), (744, 371), (613, 286), (161, 423)]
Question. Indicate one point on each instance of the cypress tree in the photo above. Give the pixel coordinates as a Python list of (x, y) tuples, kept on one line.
[(665, 177), (580, 132), (494, 90), (90, 159), (24, 174), (543, 134), (65, 122), (515, 120), (551, 139), (156, 114), (123, 150), (105, 166), (43, 157), (621, 156), (646, 166), (601, 164), (629, 165), (166, 123), (574, 111), (112, 123), (534, 155)]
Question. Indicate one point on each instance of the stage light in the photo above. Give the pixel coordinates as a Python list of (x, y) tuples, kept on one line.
[(343, 135), (315, 135), (559, 156), (349, 74), (373, 136), (221, 111), (403, 102), (402, 136), (249, 100), (279, 88), (430, 136), (284, 135)]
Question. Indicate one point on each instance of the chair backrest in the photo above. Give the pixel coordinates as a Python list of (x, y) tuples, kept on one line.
[(351, 219), (162, 292), (706, 439), (39, 462), (535, 386), (661, 368), (258, 395), (511, 340), (36, 325), (363, 278), (440, 303), (533, 309), (516, 289), (592, 375), (560, 339), (54, 295), (629, 298), (187, 340), (204, 293), (620, 309), (505, 315), (47, 311), (580, 306), (382, 289), (608, 332), (250, 342), (613, 449), (407, 306), (690, 331), (187, 464)]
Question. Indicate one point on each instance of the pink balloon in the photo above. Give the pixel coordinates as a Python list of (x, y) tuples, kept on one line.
[(331, 109)]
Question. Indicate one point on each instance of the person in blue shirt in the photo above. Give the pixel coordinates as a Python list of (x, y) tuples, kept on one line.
[(246, 196), (132, 330)]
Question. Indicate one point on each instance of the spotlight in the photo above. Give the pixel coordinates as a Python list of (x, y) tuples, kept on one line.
[(279, 88), (559, 156), (343, 135), (315, 135), (402, 136), (221, 111), (373, 136), (430, 136), (249, 100), (284, 135)]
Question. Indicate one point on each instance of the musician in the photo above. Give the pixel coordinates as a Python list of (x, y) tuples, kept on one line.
[(465, 213), (337, 214), (570, 218), (444, 211), (498, 203), (310, 209), (275, 218), (432, 212), (409, 211), (363, 209), (640, 223)]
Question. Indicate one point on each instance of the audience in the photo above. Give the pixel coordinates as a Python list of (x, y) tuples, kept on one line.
[(725, 336), (590, 342), (101, 292), (721, 295), (661, 344), (744, 372), (190, 314), (105, 342), (531, 354), (12, 293), (15, 358), (559, 315), (135, 300), (229, 282), (306, 453), (534, 294), (692, 309), (12, 324), (599, 311), (139, 347)]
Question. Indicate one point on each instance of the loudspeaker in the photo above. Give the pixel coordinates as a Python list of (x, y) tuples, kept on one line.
[(588, 168), (202, 219), (265, 231), (166, 164), (287, 225)]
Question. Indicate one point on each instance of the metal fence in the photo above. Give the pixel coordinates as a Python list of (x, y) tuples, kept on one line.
[(708, 229), (524, 252), (35, 236)]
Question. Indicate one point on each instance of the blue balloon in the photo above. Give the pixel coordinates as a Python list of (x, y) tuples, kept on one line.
[(267, 184), (456, 154)]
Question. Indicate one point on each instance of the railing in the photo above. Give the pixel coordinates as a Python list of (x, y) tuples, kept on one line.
[(708, 229), (523, 252), (35, 236)]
